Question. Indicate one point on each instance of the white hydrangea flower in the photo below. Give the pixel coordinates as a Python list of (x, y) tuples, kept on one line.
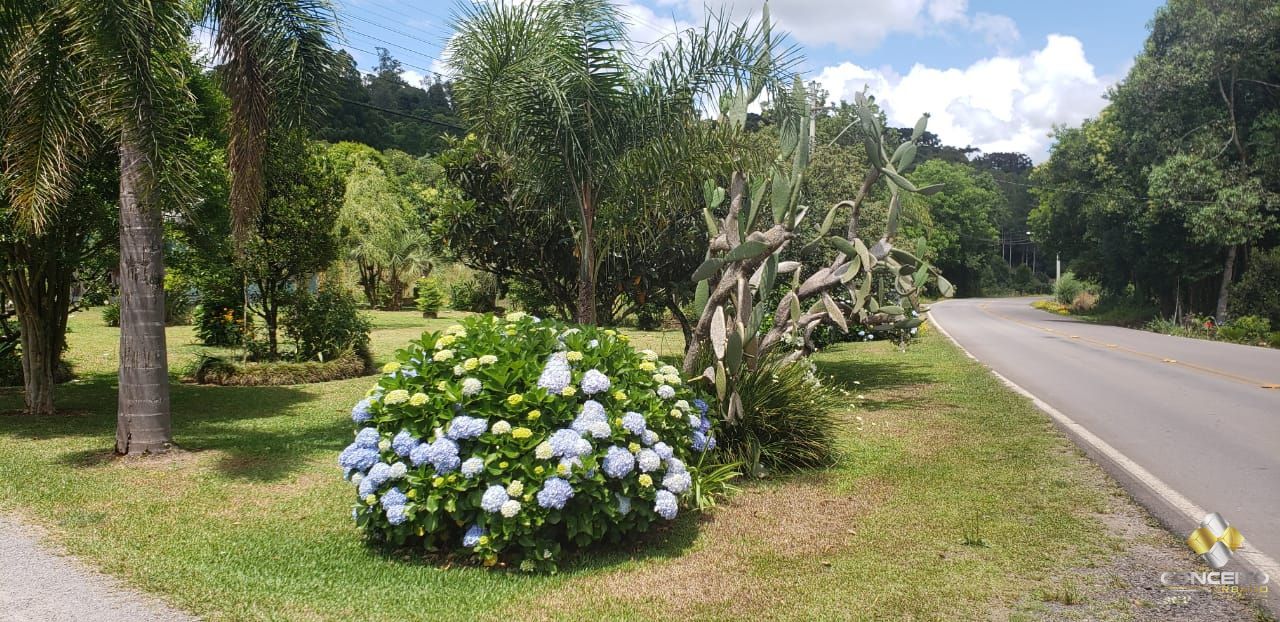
[(398, 396), (398, 470), (501, 427), (510, 508), (543, 451), (649, 355), (471, 386), (488, 359)]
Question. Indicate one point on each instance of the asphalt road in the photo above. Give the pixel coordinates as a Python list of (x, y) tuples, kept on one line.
[(1193, 413)]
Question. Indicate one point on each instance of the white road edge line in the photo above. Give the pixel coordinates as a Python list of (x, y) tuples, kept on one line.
[(1191, 511)]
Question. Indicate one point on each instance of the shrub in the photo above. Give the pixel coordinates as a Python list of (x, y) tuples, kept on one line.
[(430, 297), (213, 370), (789, 421), (1067, 288), (475, 294), (111, 314), (1258, 292), (10, 363), (512, 438), (1249, 329), (219, 325), (326, 324), (1084, 302)]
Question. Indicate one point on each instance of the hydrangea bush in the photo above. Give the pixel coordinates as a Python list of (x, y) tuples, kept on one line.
[(509, 437)]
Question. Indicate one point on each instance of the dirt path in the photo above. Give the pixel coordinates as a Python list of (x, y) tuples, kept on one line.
[(40, 584)]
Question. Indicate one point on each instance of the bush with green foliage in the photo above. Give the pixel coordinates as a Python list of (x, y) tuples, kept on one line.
[(326, 324), (1258, 291), (430, 296), (1250, 329), (111, 314), (220, 371), (477, 294), (510, 439), (788, 421), (1068, 287), (219, 325)]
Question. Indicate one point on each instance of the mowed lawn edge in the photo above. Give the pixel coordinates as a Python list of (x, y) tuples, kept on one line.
[(954, 495)]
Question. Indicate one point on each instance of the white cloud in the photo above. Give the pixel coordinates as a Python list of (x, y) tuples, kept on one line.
[(1003, 103), (862, 25)]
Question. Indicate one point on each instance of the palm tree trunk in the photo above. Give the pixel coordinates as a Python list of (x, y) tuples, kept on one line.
[(142, 423), (586, 313), (1228, 269), (40, 352)]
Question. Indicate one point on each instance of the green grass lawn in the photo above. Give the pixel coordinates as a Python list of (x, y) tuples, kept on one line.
[(954, 497)]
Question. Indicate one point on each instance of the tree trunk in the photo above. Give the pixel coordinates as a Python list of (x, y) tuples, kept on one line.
[(40, 351), (685, 327), (143, 423), (586, 313), (1220, 315)]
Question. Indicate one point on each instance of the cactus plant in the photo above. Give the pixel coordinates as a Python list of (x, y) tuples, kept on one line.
[(744, 262)]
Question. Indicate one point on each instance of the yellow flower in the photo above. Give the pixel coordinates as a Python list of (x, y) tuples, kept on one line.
[(610, 332), (645, 480), (438, 481), (648, 366), (442, 386), (624, 339), (528, 497), (672, 379), (521, 433), (412, 494), (514, 399), (488, 359), (510, 331), (620, 395), (634, 448), (445, 341), (516, 316), (568, 391), (515, 488), (471, 363), (675, 412), (504, 464), (418, 399), (390, 367), (399, 396), (538, 470), (452, 479), (370, 499), (533, 415), (574, 356), (562, 469), (483, 540), (456, 329), (442, 355), (659, 378)]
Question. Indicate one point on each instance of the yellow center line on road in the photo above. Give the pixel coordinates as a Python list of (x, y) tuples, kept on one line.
[(1139, 353)]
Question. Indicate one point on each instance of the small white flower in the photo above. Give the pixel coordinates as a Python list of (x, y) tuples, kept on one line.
[(649, 355), (599, 429), (665, 392), (668, 369), (398, 396), (488, 359), (510, 508), (458, 370), (682, 405), (543, 451), (501, 427), (398, 470), (471, 386)]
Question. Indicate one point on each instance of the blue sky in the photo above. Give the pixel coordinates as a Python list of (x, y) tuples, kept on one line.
[(994, 74)]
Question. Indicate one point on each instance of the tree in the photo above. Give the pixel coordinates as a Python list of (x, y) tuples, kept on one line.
[(120, 65), (961, 226), (37, 272), (553, 86), (293, 234)]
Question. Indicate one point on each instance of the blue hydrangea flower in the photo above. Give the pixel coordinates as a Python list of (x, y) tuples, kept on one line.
[(624, 504), (378, 474), (595, 382), (664, 451), (555, 493), (634, 423), (472, 467), (600, 429), (701, 406), (442, 453), (592, 412), (699, 441), (677, 482), (392, 498), (711, 442), (557, 374), (396, 514), (367, 487), (368, 437), (493, 498), (648, 460), (618, 462), (666, 392), (564, 443), (357, 458), (664, 504), (463, 427), (360, 413), (472, 537), (649, 437), (403, 443), (675, 465), (419, 454)]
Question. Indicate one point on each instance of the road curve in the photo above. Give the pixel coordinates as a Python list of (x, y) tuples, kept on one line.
[(1196, 414)]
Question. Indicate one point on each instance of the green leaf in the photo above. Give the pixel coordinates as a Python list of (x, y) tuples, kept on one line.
[(733, 350), (852, 269), (700, 295), (707, 269), (920, 127), (722, 381), (746, 250), (945, 287), (844, 246), (828, 221), (719, 338), (898, 180), (833, 311), (757, 194), (712, 229), (891, 309), (795, 306), (932, 189), (781, 195)]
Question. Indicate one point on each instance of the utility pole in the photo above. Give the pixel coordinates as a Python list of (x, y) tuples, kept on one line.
[(1057, 267)]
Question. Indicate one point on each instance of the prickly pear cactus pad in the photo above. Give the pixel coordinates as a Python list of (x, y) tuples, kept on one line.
[(506, 439)]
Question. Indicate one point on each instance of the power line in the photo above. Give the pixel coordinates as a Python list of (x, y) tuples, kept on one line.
[(401, 114)]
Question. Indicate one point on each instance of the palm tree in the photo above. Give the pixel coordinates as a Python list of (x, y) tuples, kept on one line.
[(120, 64), (558, 86)]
